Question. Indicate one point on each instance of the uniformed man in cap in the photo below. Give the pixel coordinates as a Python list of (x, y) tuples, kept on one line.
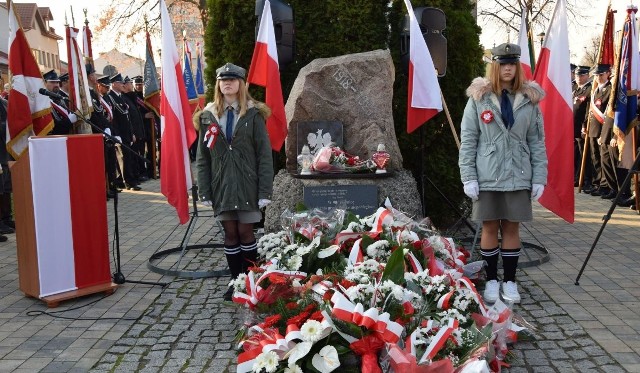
[(64, 85), (137, 123), (122, 121), (63, 118), (581, 98), (597, 119)]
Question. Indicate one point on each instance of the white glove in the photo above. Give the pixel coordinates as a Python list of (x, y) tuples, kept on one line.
[(107, 131), (614, 142), (536, 192), (599, 141), (471, 189), (73, 118), (119, 139), (206, 203), (263, 202)]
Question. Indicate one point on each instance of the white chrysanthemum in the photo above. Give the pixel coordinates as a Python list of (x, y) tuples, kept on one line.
[(239, 283), (267, 361), (294, 263), (311, 331), (293, 369)]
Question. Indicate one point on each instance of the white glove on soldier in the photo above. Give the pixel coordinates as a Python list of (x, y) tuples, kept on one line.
[(263, 202), (119, 139), (536, 192), (73, 118), (471, 189), (107, 131), (206, 203)]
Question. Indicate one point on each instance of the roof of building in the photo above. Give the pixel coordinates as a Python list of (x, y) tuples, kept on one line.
[(30, 13)]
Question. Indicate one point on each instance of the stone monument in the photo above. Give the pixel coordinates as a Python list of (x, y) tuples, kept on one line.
[(356, 90)]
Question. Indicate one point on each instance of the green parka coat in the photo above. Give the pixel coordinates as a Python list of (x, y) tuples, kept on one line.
[(235, 176), (498, 158)]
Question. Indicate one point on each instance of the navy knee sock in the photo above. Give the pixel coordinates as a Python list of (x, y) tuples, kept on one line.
[(510, 263), (491, 257)]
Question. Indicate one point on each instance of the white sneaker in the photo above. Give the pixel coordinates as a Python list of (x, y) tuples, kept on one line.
[(491, 291), (510, 292)]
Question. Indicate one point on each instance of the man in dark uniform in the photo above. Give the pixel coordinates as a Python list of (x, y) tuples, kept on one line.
[(150, 121), (581, 97), (64, 85), (597, 110), (137, 122), (63, 119), (123, 123)]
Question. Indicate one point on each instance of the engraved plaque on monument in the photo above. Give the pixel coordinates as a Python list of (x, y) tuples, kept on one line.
[(359, 199), (318, 133)]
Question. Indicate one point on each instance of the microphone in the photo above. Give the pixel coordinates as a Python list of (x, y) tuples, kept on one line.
[(54, 95)]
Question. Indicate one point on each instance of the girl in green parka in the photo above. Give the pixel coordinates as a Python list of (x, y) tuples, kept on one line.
[(234, 165), (503, 162)]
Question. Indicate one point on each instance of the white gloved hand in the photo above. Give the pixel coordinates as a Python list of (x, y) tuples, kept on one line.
[(119, 139), (536, 192), (472, 189), (206, 202), (73, 118), (263, 202), (599, 141), (107, 131)]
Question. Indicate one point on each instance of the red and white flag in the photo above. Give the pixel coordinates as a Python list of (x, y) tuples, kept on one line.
[(523, 42), (265, 71), (79, 93), (423, 101), (86, 43), (69, 213), (28, 112), (177, 131), (557, 110)]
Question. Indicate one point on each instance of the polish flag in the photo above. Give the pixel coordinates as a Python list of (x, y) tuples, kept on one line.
[(523, 42), (264, 71), (424, 90), (70, 216), (28, 112), (557, 110), (177, 132)]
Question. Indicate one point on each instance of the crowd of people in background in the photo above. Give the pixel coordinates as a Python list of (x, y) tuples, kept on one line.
[(604, 170)]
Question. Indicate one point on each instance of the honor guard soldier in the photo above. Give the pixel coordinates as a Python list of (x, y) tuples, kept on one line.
[(137, 124), (597, 108), (149, 119), (64, 85), (63, 119), (122, 122), (581, 98)]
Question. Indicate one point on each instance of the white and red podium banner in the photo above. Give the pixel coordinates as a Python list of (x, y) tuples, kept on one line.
[(70, 213)]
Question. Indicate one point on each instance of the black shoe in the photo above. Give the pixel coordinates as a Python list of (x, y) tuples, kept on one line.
[(600, 192), (134, 187), (227, 297), (628, 202), (611, 195), (143, 178), (5, 229), (3, 238)]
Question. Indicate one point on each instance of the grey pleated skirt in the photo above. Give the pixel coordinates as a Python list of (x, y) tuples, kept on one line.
[(513, 206)]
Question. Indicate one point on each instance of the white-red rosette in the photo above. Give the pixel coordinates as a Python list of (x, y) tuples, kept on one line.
[(486, 116), (211, 135)]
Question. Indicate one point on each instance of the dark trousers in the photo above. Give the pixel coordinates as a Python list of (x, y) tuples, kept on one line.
[(594, 150), (608, 164)]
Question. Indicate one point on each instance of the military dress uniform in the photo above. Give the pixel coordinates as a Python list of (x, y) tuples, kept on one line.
[(597, 108), (63, 118), (122, 121), (581, 98)]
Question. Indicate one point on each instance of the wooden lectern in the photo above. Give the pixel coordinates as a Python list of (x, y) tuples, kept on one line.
[(61, 218)]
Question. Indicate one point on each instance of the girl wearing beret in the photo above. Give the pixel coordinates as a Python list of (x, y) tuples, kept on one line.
[(234, 165), (503, 162)]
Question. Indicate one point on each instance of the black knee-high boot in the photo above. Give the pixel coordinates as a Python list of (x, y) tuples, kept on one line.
[(510, 263), (249, 255), (491, 257)]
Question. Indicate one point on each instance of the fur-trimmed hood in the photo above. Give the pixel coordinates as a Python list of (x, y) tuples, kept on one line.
[(263, 109), (482, 86)]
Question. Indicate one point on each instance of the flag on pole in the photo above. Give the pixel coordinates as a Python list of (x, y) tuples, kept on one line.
[(606, 52), (187, 75), (151, 84), (86, 42), (79, 93), (627, 81), (200, 76), (265, 72), (423, 100), (28, 112), (523, 41), (177, 132), (557, 110)]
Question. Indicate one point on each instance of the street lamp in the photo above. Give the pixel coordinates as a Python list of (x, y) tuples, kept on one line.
[(541, 37)]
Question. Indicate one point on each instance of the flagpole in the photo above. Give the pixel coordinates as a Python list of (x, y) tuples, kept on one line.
[(453, 129)]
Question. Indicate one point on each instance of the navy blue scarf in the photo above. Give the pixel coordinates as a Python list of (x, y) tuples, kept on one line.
[(506, 109)]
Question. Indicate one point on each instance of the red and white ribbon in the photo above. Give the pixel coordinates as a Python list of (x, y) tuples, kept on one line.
[(355, 255), (438, 341), (211, 135), (254, 291)]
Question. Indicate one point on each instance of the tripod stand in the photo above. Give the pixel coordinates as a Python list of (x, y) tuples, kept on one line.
[(184, 247), (110, 141), (605, 219)]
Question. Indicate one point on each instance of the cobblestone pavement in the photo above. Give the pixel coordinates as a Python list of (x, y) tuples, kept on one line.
[(184, 327)]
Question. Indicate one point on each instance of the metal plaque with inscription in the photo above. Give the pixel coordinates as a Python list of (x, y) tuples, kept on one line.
[(319, 133), (359, 199)]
